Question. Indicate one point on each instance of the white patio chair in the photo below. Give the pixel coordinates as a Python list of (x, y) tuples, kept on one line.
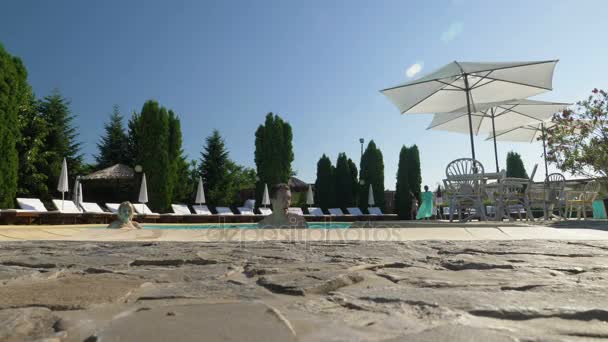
[(465, 186), (584, 199)]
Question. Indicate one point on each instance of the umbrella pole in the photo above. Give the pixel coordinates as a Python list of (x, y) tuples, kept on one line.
[(467, 91), (542, 127), (62, 199), (495, 149)]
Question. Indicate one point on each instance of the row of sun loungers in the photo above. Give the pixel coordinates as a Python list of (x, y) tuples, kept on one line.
[(32, 209)]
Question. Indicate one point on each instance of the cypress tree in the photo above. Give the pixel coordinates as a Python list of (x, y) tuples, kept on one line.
[(60, 142), (153, 153), (324, 185), (415, 174), (273, 153), (15, 94), (515, 166), (113, 147), (403, 200), (372, 172), (343, 183), (353, 179), (214, 168), (133, 139)]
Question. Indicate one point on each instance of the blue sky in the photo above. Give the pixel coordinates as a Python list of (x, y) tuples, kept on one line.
[(318, 64)]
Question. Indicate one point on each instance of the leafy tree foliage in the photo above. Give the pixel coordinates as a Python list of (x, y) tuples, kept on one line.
[(273, 153), (372, 172), (515, 166), (343, 183), (15, 95), (32, 152), (61, 141), (113, 147), (325, 186), (578, 141), (409, 180)]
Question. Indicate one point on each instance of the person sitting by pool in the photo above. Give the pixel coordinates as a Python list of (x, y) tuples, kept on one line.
[(426, 209), (280, 198)]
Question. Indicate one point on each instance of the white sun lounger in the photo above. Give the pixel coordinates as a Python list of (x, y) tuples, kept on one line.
[(31, 204), (223, 211), (93, 208), (295, 211), (181, 209), (142, 208), (354, 211), (265, 211), (246, 211), (67, 207), (313, 211), (374, 211), (335, 212), (201, 209)]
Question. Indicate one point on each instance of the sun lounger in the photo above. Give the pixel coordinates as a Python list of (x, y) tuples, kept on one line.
[(315, 211), (142, 208), (181, 209), (31, 204), (374, 211), (66, 207), (113, 207), (201, 210), (223, 211), (295, 210), (265, 211), (246, 211), (335, 212), (354, 211), (93, 208)]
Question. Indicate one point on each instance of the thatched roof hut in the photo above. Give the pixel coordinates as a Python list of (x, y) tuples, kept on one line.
[(118, 171), (296, 184)]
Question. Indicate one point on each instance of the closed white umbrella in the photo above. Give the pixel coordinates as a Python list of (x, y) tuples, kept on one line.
[(265, 197), (370, 197), (497, 116), (200, 192), (77, 193), (143, 193), (63, 186), (310, 200), (468, 84), (80, 195)]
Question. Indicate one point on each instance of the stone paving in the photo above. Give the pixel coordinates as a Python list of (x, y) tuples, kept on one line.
[(332, 290)]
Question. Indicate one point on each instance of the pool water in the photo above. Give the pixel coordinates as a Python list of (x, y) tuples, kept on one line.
[(311, 225)]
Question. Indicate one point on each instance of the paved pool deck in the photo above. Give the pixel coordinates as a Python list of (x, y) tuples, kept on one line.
[(385, 231)]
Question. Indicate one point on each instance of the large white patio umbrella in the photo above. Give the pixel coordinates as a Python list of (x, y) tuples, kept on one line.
[(143, 193), (370, 197), (468, 84), (265, 197), (200, 192), (527, 133), (63, 185), (310, 199), (497, 116)]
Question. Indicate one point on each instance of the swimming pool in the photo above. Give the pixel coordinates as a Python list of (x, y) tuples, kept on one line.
[(311, 225)]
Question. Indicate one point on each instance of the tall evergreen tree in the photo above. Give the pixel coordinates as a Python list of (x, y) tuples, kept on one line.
[(343, 183), (415, 174), (353, 178), (15, 94), (214, 168), (273, 153), (32, 153), (113, 147), (325, 185), (372, 172), (153, 153), (133, 139), (515, 166), (61, 141), (403, 199)]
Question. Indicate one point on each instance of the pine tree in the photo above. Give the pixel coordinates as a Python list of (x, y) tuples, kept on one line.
[(61, 141), (325, 185), (15, 94), (343, 183), (273, 153), (214, 168), (113, 147), (153, 153), (372, 172), (133, 140), (515, 166)]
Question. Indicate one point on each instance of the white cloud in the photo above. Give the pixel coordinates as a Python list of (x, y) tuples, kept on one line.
[(453, 31), (413, 70)]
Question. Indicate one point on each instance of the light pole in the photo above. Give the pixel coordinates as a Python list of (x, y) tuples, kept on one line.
[(361, 140)]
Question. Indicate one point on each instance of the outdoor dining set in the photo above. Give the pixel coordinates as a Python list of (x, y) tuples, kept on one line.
[(468, 188)]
